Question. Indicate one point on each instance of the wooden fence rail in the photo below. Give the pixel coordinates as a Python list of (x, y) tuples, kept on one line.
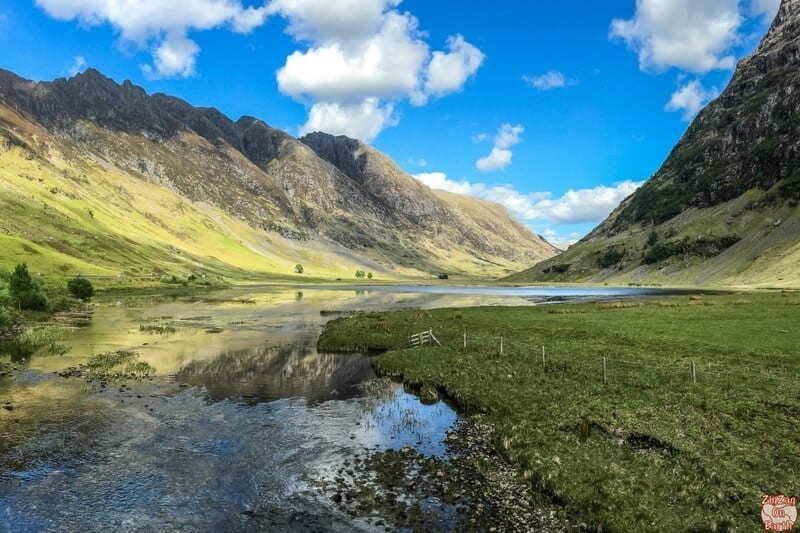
[(423, 338)]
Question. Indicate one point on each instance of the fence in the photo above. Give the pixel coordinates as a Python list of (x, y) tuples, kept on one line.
[(423, 338), (608, 368)]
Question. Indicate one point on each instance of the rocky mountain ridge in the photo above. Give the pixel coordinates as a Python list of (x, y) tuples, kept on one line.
[(315, 193)]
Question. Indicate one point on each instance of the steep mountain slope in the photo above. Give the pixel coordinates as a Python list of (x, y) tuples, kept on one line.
[(724, 206), (261, 199)]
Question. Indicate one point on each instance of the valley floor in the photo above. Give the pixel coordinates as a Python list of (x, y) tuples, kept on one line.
[(672, 414)]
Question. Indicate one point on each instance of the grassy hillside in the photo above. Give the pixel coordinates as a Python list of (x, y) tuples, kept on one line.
[(70, 218), (738, 243)]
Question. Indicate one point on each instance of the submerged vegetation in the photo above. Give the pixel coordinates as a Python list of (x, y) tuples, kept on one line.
[(693, 418), (122, 364)]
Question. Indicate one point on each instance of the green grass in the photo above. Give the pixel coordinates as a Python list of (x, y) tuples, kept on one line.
[(649, 451)]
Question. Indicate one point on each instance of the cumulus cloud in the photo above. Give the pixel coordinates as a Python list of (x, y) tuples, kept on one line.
[(439, 180), (560, 241), (583, 205), (691, 98), (692, 35), (767, 8), (365, 55), (548, 81), (362, 120), (449, 71), (573, 207), (78, 65), (500, 156), (161, 26)]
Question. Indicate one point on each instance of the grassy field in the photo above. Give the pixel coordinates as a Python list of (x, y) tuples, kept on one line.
[(647, 451)]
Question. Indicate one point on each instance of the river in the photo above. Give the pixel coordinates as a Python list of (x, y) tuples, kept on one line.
[(245, 426)]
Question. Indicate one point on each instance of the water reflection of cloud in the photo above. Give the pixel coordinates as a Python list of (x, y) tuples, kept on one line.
[(403, 420)]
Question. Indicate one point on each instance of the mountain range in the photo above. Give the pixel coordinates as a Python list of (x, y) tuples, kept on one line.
[(723, 208), (103, 179)]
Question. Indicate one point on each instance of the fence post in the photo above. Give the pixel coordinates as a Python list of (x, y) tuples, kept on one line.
[(694, 374), (544, 361), (465, 338), (501, 345), (605, 372)]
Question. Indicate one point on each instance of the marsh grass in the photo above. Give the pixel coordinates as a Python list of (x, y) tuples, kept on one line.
[(41, 338), (650, 450), (121, 364), (159, 329)]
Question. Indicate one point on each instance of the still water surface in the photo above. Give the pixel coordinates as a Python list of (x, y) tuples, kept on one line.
[(238, 428)]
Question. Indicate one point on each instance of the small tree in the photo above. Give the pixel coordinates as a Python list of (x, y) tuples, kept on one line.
[(26, 291), (298, 268), (360, 274), (369, 275), (80, 288)]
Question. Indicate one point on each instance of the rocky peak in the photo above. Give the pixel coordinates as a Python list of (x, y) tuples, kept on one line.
[(340, 151)]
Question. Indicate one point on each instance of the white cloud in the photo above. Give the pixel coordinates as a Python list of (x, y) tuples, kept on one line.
[(574, 207), (422, 163), (438, 180), (692, 35), (500, 156), (362, 120), (175, 56), (386, 65), (364, 54), (449, 71), (340, 21), (583, 205), (548, 81), (767, 8), (560, 241), (481, 137), (160, 25), (78, 65), (691, 98)]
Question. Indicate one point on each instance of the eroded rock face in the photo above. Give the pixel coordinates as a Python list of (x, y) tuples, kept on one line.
[(322, 187), (748, 138)]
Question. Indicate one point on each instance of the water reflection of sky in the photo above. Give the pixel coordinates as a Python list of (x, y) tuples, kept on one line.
[(403, 420)]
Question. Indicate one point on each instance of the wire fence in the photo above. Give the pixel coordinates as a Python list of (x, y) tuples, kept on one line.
[(611, 369)]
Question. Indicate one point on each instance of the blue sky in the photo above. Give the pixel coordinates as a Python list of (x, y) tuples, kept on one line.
[(556, 109)]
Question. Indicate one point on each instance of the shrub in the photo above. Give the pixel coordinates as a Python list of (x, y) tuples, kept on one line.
[(81, 288), (5, 319), (360, 274), (652, 239), (63, 303), (699, 247), (444, 276), (561, 268), (369, 275), (610, 258), (26, 291), (298, 268)]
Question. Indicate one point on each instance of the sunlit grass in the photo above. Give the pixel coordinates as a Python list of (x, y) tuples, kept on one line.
[(649, 449)]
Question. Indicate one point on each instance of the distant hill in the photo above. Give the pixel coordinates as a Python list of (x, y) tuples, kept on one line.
[(106, 180), (723, 208)]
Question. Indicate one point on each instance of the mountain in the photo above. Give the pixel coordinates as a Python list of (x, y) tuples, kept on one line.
[(723, 208), (107, 180)]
